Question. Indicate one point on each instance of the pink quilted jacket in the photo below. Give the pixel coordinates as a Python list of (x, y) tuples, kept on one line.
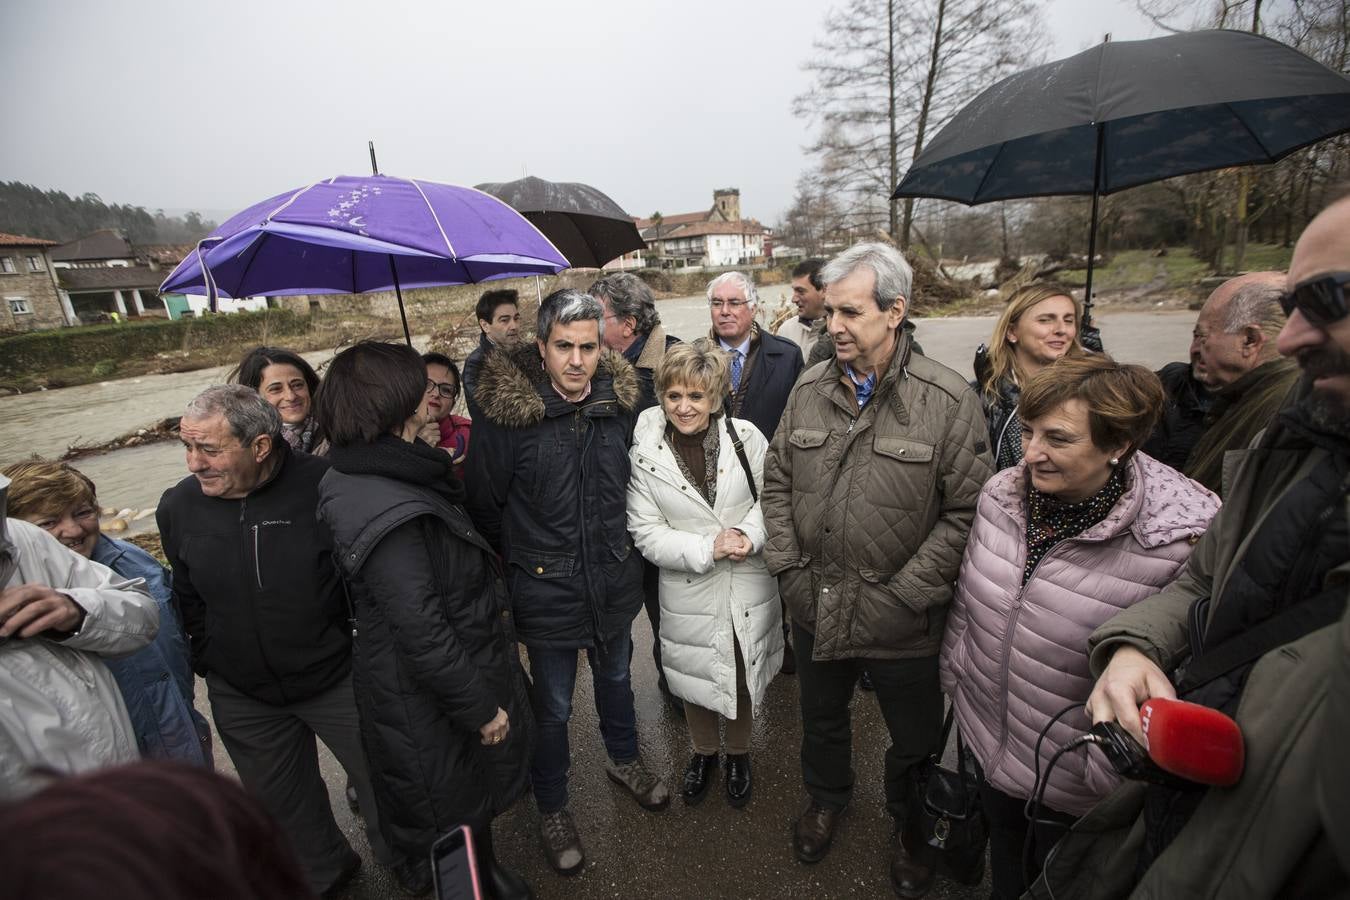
[(1014, 656)]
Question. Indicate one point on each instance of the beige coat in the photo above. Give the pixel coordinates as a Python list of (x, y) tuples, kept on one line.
[(868, 511)]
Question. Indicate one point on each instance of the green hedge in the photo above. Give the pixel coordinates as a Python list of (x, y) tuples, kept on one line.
[(37, 351)]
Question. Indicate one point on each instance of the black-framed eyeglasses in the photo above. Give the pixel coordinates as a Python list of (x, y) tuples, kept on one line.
[(448, 391), (1320, 299)]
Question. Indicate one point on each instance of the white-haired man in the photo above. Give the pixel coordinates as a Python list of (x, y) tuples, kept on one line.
[(764, 367), (869, 491)]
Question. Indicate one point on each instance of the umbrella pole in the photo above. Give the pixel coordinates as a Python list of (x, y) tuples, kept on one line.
[(403, 314), (538, 294), (1092, 231)]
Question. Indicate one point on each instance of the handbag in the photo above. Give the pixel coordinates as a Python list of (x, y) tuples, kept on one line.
[(951, 820)]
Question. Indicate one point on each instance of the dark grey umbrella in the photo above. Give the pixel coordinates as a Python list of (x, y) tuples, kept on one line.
[(1127, 113), (585, 224)]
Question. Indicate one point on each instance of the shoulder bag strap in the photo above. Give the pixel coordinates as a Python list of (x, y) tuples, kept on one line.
[(745, 463)]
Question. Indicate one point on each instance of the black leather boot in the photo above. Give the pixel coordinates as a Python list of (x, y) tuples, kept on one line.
[(697, 777), (738, 779)]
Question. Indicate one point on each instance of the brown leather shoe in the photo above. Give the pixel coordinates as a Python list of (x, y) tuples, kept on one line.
[(911, 874), (813, 832)]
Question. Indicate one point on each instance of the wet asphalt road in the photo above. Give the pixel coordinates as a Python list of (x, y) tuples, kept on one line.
[(684, 853)]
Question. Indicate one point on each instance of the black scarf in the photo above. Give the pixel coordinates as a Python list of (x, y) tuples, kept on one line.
[(1051, 520), (392, 457)]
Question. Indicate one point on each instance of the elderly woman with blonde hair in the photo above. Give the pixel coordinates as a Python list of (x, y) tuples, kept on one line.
[(1038, 326), (693, 510)]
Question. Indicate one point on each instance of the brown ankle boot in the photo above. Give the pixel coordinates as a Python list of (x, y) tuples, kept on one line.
[(911, 872)]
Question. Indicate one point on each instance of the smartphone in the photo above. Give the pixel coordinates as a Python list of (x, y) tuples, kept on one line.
[(454, 867)]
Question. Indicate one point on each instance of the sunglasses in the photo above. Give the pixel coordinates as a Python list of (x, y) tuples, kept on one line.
[(1321, 300)]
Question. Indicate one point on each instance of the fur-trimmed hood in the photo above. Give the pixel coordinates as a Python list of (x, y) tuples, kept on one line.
[(514, 391)]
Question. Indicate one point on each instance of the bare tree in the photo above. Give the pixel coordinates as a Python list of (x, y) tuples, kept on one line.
[(887, 74)]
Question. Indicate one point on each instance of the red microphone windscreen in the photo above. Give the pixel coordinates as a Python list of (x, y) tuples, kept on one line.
[(1193, 742)]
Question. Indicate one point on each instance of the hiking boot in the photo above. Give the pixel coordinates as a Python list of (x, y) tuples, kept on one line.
[(648, 790), (562, 844)]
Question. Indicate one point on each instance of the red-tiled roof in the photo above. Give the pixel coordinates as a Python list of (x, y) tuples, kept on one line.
[(677, 219), (745, 226), (19, 240)]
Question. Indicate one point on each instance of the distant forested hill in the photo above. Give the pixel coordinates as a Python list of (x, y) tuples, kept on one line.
[(57, 216)]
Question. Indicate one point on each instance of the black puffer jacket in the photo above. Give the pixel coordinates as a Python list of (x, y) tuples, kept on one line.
[(254, 582), (434, 655), (1183, 419), (548, 485)]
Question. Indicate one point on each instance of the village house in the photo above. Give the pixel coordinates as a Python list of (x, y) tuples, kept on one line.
[(28, 285), (102, 273), (711, 238)]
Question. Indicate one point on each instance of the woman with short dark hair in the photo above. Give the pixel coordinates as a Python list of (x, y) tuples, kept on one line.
[(444, 715), (1085, 526), (285, 380)]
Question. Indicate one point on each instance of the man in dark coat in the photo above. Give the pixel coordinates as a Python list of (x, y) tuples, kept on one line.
[(764, 367), (498, 313), (548, 486), (633, 328), (266, 620), (1234, 383)]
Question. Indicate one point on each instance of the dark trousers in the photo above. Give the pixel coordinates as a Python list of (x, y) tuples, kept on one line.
[(555, 677), (1008, 833), (911, 703), (274, 751), (651, 601)]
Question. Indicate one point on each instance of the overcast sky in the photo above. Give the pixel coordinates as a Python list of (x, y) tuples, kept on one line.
[(215, 106)]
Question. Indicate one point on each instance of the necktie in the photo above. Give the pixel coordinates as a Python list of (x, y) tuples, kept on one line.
[(735, 370)]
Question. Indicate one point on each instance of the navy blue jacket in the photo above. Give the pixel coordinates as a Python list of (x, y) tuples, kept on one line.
[(547, 485)]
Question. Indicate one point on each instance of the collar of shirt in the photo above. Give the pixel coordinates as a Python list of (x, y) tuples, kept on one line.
[(744, 346), (584, 394), (863, 389)]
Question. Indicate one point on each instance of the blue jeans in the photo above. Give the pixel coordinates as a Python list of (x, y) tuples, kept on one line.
[(554, 672)]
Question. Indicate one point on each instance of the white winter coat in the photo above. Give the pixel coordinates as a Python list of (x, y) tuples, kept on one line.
[(704, 603), (59, 705)]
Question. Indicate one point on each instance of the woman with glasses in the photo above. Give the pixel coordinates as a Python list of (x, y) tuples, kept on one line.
[(286, 381), (444, 429), (444, 716)]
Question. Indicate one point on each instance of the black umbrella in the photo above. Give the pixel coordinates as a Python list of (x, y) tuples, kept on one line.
[(582, 222), (1127, 113)]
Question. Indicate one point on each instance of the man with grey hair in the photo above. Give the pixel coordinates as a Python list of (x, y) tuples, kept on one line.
[(764, 366), (633, 328), (1235, 383), (548, 485), (267, 621), (870, 487)]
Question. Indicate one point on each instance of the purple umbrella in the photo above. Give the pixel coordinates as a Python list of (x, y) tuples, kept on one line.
[(351, 235)]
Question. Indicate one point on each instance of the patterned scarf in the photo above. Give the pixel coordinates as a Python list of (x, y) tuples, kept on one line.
[(710, 450), (301, 436), (1050, 520)]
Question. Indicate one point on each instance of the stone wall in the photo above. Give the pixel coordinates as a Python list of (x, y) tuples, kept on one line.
[(37, 288)]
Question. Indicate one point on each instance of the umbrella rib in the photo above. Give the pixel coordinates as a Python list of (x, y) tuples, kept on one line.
[(258, 249), (1247, 128), (435, 218), (294, 197), (990, 168)]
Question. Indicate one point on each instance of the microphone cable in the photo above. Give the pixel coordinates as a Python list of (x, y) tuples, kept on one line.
[(1032, 809)]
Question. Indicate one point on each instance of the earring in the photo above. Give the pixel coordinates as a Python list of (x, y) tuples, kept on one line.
[(1115, 461)]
